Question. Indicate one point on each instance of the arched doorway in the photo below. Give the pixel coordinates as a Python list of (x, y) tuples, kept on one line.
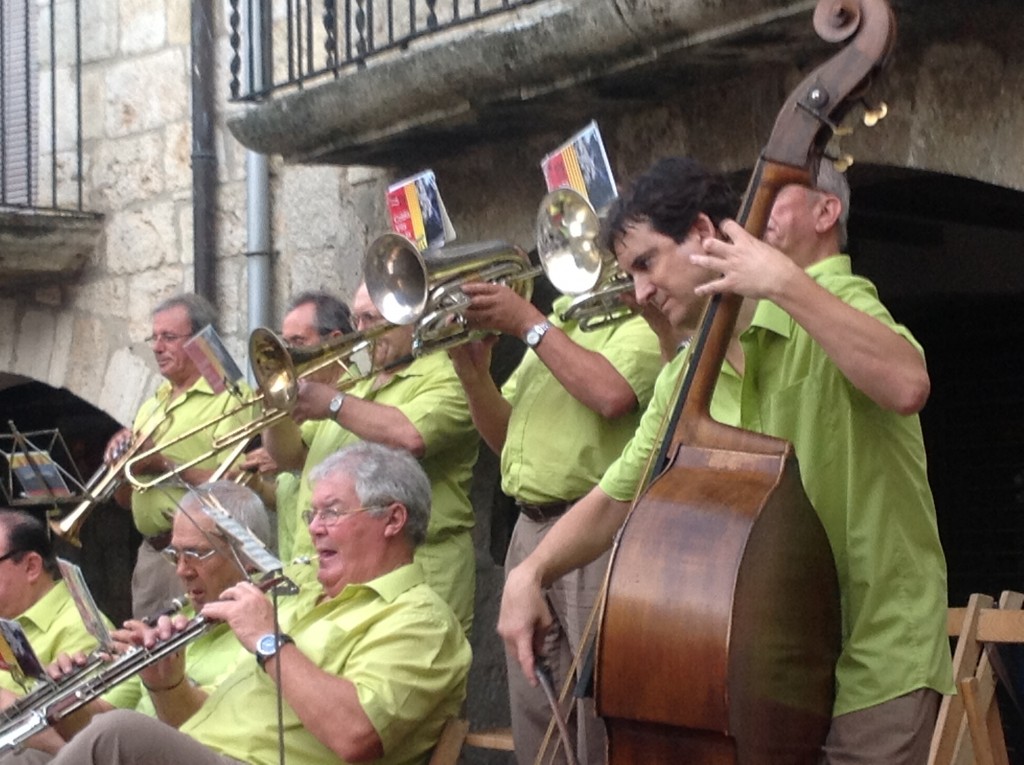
[(109, 538)]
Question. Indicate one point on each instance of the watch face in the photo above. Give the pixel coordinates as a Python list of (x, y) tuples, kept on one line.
[(267, 645), (532, 337)]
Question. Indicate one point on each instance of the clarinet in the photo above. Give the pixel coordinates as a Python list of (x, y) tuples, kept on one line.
[(65, 697)]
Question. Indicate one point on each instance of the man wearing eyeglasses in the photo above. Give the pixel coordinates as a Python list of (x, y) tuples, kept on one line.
[(206, 565), (183, 401), (32, 593), (370, 662), (417, 405), (312, 318)]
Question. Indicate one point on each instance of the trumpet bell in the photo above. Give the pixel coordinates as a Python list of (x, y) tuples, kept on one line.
[(566, 232), (396, 278)]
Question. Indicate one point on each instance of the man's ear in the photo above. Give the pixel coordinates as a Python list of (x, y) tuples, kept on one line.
[(704, 227), (398, 515), (829, 210), (33, 566)]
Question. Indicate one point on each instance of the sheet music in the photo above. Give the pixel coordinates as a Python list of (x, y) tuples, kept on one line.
[(92, 617), (17, 656), (246, 543)]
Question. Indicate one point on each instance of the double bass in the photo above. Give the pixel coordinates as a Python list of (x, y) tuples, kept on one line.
[(721, 625)]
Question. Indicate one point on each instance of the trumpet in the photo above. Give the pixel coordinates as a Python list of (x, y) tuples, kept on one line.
[(424, 288), (277, 369), (567, 232)]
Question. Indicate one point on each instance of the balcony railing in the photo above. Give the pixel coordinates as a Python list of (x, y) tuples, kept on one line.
[(40, 104), (315, 39)]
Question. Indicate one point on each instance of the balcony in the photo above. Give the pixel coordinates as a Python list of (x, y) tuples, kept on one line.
[(44, 233), (385, 82)]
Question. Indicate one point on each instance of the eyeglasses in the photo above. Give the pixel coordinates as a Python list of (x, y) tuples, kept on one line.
[(173, 554), (331, 515), (167, 338), (367, 318), (10, 554)]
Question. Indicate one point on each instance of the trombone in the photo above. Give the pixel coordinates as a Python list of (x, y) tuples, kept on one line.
[(103, 483), (277, 369), (567, 232)]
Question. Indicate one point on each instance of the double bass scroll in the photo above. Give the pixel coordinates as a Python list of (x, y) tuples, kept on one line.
[(721, 626)]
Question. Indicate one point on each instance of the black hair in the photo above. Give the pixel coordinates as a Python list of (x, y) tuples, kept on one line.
[(25, 534), (669, 196), (331, 314)]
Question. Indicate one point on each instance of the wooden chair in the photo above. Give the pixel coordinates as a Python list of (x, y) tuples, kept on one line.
[(969, 730), (449, 745)]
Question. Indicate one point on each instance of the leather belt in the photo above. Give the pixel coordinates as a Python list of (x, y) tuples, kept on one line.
[(545, 512), (159, 541)]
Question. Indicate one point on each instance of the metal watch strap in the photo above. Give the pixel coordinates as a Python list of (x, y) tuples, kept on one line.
[(536, 333)]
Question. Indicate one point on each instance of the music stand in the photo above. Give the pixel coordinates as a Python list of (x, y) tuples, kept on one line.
[(36, 475)]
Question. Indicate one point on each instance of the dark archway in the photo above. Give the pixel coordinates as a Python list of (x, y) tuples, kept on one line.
[(947, 255), (109, 538)]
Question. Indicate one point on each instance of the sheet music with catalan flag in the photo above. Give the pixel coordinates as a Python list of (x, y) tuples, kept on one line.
[(581, 164), (417, 211)]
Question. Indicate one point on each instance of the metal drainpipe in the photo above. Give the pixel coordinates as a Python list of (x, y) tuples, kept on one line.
[(204, 154), (257, 186)]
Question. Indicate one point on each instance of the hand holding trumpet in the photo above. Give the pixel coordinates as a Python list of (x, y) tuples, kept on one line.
[(499, 308)]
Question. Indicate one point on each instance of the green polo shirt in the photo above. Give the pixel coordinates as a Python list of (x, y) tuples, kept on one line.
[(556, 448), (865, 473), (53, 626), (392, 637), (287, 492), (431, 396), (153, 508), (622, 480)]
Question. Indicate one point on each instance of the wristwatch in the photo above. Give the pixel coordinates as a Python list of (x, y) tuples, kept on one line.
[(536, 332), (336, 402), (268, 646)]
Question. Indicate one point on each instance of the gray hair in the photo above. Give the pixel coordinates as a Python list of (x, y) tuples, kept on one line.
[(382, 475), (241, 503), (831, 181), (200, 311)]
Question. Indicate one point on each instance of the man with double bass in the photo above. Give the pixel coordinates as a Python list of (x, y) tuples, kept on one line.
[(557, 423), (826, 367)]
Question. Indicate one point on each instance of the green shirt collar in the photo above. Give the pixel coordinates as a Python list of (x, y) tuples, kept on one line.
[(390, 585), (44, 612), (769, 316)]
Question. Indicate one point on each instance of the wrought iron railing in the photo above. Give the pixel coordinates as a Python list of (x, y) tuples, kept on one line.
[(40, 104), (308, 40)]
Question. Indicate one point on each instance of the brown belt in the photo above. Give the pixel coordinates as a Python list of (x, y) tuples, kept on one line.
[(545, 512), (159, 541)]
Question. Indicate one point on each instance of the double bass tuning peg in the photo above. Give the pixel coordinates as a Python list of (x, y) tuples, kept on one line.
[(841, 162), (872, 114)]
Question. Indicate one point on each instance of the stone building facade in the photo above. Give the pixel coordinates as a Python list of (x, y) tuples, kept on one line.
[(955, 114)]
